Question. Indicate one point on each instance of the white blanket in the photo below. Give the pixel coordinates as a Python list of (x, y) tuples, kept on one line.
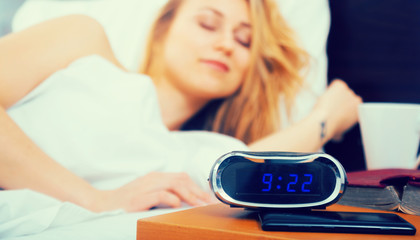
[(104, 125), (25, 214)]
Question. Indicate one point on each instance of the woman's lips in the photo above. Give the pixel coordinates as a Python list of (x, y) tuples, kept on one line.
[(220, 66)]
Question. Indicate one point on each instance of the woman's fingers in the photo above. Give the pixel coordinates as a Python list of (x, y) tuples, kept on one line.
[(339, 105), (350, 102), (195, 194), (161, 189), (160, 198), (185, 188), (151, 190)]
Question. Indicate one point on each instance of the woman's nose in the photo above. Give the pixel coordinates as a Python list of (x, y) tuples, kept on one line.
[(225, 43)]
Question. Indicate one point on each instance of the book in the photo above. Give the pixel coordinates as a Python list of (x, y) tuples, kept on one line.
[(384, 189)]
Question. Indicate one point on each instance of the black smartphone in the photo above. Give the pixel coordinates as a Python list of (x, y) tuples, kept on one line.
[(337, 222)]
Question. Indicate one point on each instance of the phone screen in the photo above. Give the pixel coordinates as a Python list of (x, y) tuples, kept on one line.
[(339, 222)]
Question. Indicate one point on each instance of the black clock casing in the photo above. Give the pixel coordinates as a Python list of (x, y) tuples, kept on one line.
[(277, 180)]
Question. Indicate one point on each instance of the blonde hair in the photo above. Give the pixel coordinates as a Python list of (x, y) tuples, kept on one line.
[(275, 68)]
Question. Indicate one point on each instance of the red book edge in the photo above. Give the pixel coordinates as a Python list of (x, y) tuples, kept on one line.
[(383, 177)]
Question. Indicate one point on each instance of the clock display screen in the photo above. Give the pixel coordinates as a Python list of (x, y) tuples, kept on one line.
[(278, 182), (279, 179)]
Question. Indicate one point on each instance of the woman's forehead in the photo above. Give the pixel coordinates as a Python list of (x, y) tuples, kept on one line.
[(231, 10)]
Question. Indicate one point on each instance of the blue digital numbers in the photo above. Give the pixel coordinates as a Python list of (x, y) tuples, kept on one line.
[(294, 183), (309, 177), (267, 179)]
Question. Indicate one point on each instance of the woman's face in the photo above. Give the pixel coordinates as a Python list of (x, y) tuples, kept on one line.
[(207, 49)]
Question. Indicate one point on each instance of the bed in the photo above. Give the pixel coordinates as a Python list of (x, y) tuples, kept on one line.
[(25, 214)]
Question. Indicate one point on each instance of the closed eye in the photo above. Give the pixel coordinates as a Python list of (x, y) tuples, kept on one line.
[(208, 20), (243, 36), (207, 26), (245, 43)]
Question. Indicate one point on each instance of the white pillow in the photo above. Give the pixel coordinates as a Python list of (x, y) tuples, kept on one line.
[(127, 23), (311, 22)]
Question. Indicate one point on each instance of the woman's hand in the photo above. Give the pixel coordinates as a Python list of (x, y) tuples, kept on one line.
[(153, 189), (338, 108), (334, 113)]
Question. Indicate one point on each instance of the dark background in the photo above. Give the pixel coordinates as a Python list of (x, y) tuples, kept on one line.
[(374, 45)]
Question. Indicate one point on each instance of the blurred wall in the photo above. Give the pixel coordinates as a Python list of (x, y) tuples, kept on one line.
[(374, 45)]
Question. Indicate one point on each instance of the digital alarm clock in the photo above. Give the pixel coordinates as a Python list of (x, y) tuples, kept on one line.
[(277, 180)]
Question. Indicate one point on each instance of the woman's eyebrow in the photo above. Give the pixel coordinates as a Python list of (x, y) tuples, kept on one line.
[(220, 14), (212, 10)]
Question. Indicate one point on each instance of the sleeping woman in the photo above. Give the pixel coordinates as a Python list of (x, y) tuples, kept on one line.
[(223, 67)]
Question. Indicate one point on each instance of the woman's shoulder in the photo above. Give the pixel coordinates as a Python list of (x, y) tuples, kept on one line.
[(75, 36), (83, 21), (90, 35)]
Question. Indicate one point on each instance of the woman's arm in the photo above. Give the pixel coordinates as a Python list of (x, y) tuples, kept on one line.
[(332, 116), (26, 59), (24, 165)]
